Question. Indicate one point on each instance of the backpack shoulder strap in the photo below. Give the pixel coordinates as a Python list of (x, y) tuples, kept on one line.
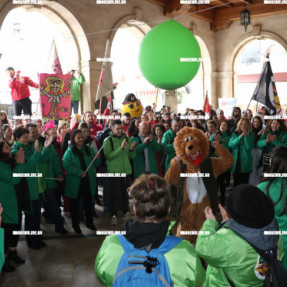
[(112, 142), (169, 243), (125, 243)]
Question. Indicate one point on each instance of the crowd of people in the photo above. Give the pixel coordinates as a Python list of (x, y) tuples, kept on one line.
[(50, 167)]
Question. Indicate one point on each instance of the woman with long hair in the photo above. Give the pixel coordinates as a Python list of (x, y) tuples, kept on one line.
[(7, 134), (223, 136), (11, 216), (274, 135), (80, 183), (133, 127), (257, 128), (4, 118), (158, 130), (61, 131), (276, 189), (241, 143)]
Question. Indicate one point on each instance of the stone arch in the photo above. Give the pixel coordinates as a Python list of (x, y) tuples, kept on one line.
[(241, 42), (71, 26), (136, 24)]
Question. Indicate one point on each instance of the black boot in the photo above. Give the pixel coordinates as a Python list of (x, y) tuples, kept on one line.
[(13, 255), (7, 267), (77, 229), (91, 226)]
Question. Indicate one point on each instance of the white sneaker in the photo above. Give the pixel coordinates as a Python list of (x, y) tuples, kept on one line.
[(114, 220)]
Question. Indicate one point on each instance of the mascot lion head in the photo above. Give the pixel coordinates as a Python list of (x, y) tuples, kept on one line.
[(191, 145)]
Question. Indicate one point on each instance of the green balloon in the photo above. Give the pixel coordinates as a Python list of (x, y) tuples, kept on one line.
[(162, 52)]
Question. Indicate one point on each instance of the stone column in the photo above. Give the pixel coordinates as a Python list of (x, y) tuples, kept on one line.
[(170, 99), (224, 87)]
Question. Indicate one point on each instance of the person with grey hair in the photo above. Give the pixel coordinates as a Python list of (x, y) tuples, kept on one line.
[(146, 145)]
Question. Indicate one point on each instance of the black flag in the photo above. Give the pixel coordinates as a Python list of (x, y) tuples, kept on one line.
[(265, 91)]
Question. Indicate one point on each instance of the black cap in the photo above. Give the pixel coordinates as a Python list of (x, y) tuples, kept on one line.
[(250, 207), (130, 98)]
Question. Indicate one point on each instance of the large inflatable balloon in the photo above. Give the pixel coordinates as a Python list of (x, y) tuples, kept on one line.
[(169, 56), (132, 105)]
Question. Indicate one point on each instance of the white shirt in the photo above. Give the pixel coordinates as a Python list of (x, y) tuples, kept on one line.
[(195, 189)]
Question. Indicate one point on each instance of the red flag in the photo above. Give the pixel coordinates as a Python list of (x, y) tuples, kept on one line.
[(206, 107), (56, 65)]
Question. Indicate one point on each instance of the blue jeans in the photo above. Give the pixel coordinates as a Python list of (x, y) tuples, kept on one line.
[(74, 106)]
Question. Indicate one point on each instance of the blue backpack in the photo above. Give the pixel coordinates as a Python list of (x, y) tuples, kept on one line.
[(139, 268)]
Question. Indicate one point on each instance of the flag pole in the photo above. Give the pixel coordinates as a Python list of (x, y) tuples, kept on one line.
[(267, 56), (102, 70)]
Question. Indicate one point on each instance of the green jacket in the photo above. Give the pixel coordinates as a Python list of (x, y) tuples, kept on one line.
[(51, 168), (274, 193), (139, 167), (118, 160), (75, 92), (280, 140), (184, 264), (168, 147), (246, 145), (73, 168), (8, 197), (225, 137), (2, 257), (225, 250), (33, 159)]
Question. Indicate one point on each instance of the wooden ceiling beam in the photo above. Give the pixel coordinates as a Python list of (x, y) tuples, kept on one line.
[(158, 2), (256, 10)]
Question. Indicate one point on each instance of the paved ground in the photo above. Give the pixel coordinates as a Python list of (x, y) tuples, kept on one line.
[(66, 261)]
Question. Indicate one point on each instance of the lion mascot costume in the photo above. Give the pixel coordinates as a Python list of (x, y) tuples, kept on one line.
[(194, 192)]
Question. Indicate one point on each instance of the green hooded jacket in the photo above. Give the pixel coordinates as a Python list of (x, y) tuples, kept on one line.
[(274, 193), (168, 147), (118, 160), (8, 197), (246, 145), (34, 160), (75, 92), (51, 167), (184, 264), (226, 252), (267, 147), (74, 170), (2, 257), (139, 167)]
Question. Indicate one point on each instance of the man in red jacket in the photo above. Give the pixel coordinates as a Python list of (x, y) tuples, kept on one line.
[(94, 128), (20, 92)]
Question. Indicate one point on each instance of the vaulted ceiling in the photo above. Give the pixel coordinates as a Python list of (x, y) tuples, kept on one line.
[(220, 13)]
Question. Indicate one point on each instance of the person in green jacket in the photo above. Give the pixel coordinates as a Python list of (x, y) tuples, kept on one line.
[(52, 174), (10, 167), (168, 139), (222, 136), (75, 92), (276, 189), (147, 232), (118, 150), (2, 257), (226, 249), (242, 143), (146, 145), (274, 135), (80, 182), (33, 158)]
